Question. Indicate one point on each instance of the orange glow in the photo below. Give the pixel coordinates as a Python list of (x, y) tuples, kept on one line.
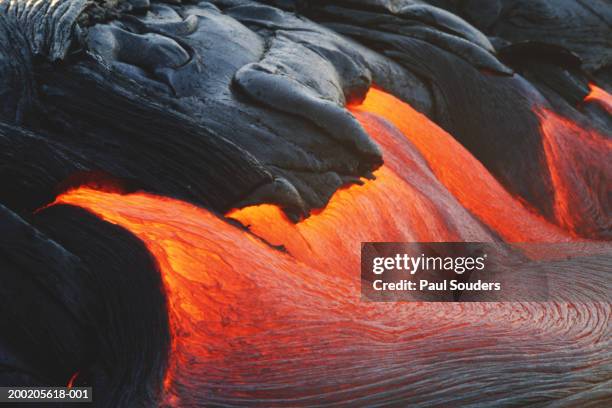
[(243, 312), (600, 96), (580, 165), (223, 284), (462, 174), (385, 209), (407, 202), (72, 379)]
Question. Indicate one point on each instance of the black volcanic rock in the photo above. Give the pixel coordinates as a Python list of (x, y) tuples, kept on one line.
[(229, 103), (67, 301)]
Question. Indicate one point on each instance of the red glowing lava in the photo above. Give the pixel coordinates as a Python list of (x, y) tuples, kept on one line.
[(72, 379), (233, 298), (454, 169), (579, 162), (246, 316), (601, 97)]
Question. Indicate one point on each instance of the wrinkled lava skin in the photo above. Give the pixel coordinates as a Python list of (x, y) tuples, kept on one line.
[(247, 316), (186, 186)]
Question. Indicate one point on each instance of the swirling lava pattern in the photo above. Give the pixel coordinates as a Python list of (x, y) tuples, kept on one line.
[(256, 324)]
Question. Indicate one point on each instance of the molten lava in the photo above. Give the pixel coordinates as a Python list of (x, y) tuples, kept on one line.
[(235, 301), (72, 379), (403, 191), (254, 325), (579, 162), (601, 97)]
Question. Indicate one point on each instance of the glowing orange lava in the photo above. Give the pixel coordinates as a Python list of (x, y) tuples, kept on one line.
[(579, 160), (229, 292), (244, 314), (72, 379), (386, 209), (600, 96), (459, 172)]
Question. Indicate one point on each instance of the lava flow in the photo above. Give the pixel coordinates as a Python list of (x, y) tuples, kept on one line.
[(579, 163), (256, 326), (423, 164), (599, 96)]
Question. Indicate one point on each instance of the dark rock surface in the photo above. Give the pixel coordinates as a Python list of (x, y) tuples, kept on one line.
[(163, 78), (87, 274)]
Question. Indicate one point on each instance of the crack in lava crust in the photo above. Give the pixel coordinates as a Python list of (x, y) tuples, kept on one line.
[(255, 326)]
